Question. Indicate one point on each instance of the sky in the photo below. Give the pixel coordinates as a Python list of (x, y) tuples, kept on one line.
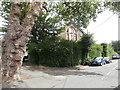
[(105, 29)]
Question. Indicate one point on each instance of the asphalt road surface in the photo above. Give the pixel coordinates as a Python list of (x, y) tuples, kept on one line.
[(105, 76)]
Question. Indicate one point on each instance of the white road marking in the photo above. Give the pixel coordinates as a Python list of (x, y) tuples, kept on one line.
[(109, 72), (114, 67), (103, 78)]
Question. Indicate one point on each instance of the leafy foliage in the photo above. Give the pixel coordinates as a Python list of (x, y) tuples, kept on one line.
[(44, 48), (105, 52), (78, 14), (58, 53), (86, 43), (116, 46), (5, 11), (47, 26), (110, 50), (96, 51), (113, 6)]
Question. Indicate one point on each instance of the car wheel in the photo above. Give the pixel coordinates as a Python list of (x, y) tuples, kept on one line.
[(110, 61), (101, 64)]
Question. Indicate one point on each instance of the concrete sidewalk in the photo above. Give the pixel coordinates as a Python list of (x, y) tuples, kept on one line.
[(42, 77), (41, 82)]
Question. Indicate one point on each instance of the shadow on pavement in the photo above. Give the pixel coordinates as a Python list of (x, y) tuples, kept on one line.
[(62, 71), (78, 73), (94, 66)]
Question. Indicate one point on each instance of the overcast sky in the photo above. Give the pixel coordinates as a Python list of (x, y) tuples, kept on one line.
[(105, 29)]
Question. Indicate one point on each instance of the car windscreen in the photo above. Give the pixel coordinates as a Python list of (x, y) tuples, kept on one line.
[(98, 58)]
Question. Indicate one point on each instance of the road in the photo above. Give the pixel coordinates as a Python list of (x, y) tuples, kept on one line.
[(105, 76)]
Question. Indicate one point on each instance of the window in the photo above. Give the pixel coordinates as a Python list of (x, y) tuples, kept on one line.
[(71, 34)]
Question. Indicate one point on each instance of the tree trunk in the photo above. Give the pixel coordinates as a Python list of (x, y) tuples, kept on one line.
[(14, 43)]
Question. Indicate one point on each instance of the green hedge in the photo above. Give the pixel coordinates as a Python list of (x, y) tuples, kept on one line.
[(58, 53), (105, 49), (110, 50), (96, 51)]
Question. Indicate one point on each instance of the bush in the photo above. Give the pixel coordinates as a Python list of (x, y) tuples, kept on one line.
[(105, 52), (96, 50), (58, 53), (110, 50), (86, 42)]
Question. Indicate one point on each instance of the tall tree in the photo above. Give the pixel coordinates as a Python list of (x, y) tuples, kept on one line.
[(113, 6), (116, 46), (14, 43), (48, 25), (105, 52), (78, 14), (86, 43), (20, 25)]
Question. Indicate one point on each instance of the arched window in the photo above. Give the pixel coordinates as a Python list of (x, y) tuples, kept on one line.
[(71, 34)]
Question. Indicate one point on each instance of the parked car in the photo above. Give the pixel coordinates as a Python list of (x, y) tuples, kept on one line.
[(25, 57), (107, 60), (115, 56), (98, 61)]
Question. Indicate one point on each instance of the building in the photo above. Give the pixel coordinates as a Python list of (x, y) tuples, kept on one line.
[(71, 33)]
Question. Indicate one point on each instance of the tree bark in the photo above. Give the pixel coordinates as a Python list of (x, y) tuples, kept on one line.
[(14, 43)]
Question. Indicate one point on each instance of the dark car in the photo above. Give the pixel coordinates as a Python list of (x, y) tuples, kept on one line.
[(107, 60), (25, 57), (98, 61), (115, 56)]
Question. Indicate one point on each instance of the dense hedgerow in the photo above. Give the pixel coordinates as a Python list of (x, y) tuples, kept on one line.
[(63, 53), (96, 51), (58, 53)]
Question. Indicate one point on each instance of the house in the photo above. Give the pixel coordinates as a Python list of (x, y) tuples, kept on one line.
[(71, 33)]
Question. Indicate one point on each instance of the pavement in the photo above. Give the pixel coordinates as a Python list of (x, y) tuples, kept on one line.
[(43, 77), (105, 76)]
